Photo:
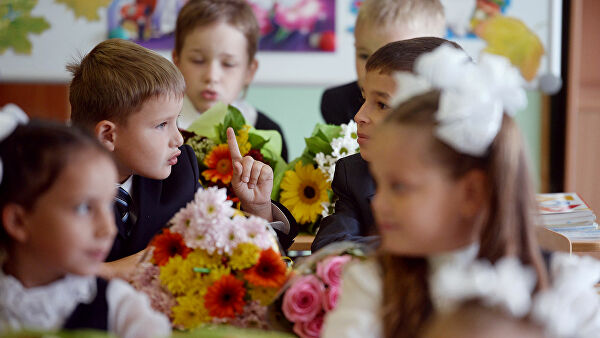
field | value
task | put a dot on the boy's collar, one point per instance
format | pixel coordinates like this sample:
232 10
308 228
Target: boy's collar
126 185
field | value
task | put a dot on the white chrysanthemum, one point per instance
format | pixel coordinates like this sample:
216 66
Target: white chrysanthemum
343 146
257 232
350 130
212 204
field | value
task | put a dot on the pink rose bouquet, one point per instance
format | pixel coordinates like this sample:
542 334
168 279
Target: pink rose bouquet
314 288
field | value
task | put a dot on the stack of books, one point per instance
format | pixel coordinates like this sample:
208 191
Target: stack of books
568 214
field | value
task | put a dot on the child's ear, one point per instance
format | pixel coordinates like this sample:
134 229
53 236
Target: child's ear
13 220
175 58
475 193
105 131
252 67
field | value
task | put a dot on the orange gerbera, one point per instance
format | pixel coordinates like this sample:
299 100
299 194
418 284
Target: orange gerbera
270 271
225 298
219 166
168 244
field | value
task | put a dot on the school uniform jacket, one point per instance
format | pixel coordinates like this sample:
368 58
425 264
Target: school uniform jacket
353 218
156 201
340 104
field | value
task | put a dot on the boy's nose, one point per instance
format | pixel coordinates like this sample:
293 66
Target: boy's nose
213 72
362 115
177 138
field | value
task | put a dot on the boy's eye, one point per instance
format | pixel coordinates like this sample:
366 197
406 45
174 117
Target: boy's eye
229 64
83 209
382 105
197 61
363 56
162 125
398 187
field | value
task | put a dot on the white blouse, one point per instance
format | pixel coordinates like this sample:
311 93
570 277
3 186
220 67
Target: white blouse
358 310
47 307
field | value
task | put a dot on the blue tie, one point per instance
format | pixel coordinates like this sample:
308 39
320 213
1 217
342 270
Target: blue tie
123 203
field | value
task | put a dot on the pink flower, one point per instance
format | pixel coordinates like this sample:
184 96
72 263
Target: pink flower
330 269
310 329
304 299
299 15
262 16
331 298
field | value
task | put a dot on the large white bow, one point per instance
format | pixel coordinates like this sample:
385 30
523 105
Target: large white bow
10 116
473 96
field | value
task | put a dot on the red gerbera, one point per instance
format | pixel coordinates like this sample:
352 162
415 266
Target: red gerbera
167 245
270 271
225 298
219 166
256 154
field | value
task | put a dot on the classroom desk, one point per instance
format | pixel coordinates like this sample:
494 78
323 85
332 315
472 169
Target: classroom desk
554 241
302 243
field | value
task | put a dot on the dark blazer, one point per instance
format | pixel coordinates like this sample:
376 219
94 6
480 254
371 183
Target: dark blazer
352 219
264 122
92 315
156 201
340 104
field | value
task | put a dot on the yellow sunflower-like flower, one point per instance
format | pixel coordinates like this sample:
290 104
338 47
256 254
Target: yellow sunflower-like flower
202 259
302 192
242 139
244 256
190 312
176 275
264 296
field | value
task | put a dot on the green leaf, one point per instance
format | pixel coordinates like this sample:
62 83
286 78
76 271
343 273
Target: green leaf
256 140
331 131
316 145
210 122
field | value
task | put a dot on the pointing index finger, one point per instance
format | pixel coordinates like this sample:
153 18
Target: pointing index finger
234 150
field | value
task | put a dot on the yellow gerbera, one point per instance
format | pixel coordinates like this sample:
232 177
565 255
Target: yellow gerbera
176 275
244 256
190 312
302 192
242 139
264 296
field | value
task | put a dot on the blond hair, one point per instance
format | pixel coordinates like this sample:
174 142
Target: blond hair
116 78
421 17
198 13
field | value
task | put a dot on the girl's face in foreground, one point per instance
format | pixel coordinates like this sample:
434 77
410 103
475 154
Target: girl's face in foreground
419 208
71 227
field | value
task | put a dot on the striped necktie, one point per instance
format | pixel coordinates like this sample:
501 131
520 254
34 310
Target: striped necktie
123 203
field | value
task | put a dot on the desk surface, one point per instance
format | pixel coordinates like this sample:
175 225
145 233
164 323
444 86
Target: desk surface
302 243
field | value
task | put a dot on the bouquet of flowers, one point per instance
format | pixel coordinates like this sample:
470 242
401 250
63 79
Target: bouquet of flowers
314 288
212 265
209 141
305 186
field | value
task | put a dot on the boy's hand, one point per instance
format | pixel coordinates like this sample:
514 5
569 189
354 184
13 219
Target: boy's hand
252 181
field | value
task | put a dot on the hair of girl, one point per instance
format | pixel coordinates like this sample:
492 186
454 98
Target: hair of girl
33 156
507 224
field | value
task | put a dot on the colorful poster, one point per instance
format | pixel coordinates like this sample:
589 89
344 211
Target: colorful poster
150 23
296 25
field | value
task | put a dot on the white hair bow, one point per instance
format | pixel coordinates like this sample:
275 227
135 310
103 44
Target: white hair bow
571 307
10 116
473 96
507 284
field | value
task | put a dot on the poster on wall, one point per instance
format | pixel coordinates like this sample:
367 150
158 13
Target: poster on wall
303 41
